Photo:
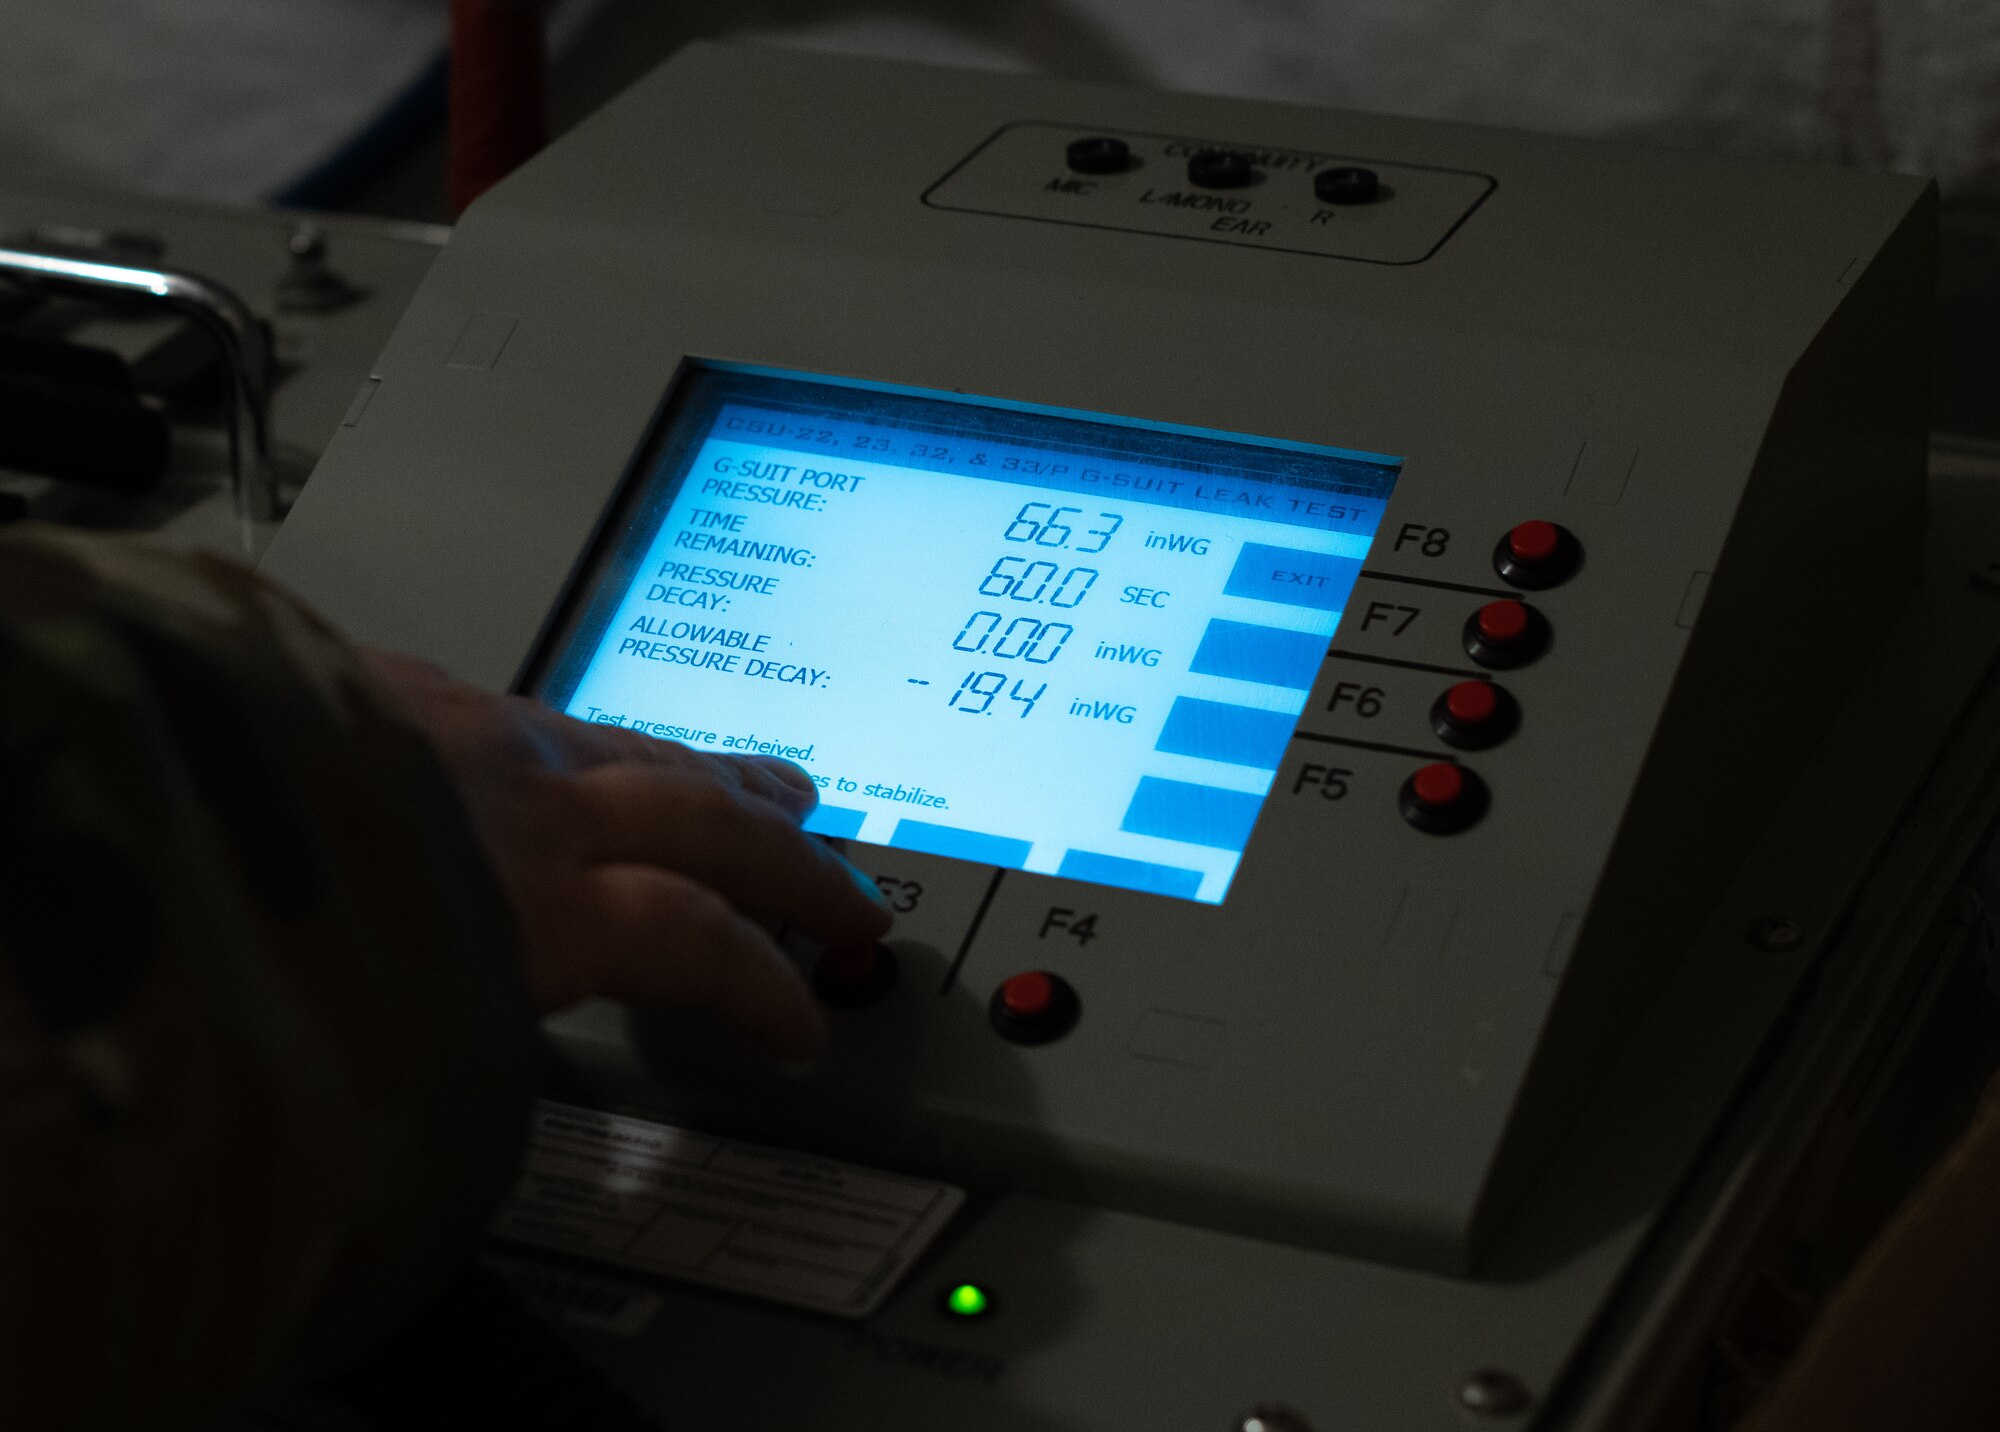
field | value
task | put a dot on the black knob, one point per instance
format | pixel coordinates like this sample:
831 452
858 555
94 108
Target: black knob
1348 184
1099 154
1221 169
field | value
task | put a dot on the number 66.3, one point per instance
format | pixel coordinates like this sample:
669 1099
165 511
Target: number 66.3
1031 525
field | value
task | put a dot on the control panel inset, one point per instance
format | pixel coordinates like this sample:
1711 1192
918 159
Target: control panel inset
1299 201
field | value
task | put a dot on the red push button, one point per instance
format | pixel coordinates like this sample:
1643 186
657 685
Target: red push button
1443 799
1034 1008
850 963
1438 786
1534 542
1471 703
1474 715
1029 995
1503 623
1537 555
853 976
1506 633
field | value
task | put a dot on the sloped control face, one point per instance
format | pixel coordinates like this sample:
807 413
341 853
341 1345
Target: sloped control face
1214 191
1167 780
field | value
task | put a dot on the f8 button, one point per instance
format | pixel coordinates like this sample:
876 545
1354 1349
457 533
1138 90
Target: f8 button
1537 555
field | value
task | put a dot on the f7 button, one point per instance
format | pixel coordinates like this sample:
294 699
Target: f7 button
1506 634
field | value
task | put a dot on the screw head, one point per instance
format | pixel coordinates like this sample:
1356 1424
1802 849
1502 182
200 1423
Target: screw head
306 243
1271 1417
1775 934
1490 1392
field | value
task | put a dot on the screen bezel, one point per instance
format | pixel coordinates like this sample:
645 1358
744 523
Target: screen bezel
680 428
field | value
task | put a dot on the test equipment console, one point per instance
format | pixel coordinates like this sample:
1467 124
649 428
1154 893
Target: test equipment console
1327 629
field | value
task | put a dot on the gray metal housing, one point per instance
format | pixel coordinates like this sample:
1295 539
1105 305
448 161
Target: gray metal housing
1711 371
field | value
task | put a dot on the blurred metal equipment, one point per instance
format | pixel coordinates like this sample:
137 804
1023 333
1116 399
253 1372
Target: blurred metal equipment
312 284
246 331
229 324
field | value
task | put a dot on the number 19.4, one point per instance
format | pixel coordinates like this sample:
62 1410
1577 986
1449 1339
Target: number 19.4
975 694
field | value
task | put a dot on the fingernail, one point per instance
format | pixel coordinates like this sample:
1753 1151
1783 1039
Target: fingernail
866 883
795 777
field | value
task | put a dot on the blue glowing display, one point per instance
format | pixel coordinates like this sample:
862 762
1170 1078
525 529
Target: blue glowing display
1050 642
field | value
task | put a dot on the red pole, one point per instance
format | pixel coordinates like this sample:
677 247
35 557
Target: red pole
499 99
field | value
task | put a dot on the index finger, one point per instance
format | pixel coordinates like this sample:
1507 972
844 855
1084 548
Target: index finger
590 745
744 848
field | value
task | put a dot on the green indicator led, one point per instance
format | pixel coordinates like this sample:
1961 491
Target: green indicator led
968 1300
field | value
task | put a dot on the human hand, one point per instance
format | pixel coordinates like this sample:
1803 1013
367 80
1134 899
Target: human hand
639 869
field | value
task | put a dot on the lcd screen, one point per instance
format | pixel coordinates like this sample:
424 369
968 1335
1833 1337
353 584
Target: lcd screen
1047 641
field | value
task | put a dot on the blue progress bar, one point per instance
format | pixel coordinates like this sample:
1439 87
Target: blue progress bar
1196 815
840 821
1130 874
1318 580
1272 655
975 845
1218 731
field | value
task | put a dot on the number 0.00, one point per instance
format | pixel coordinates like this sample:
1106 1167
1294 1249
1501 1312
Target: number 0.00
1025 638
